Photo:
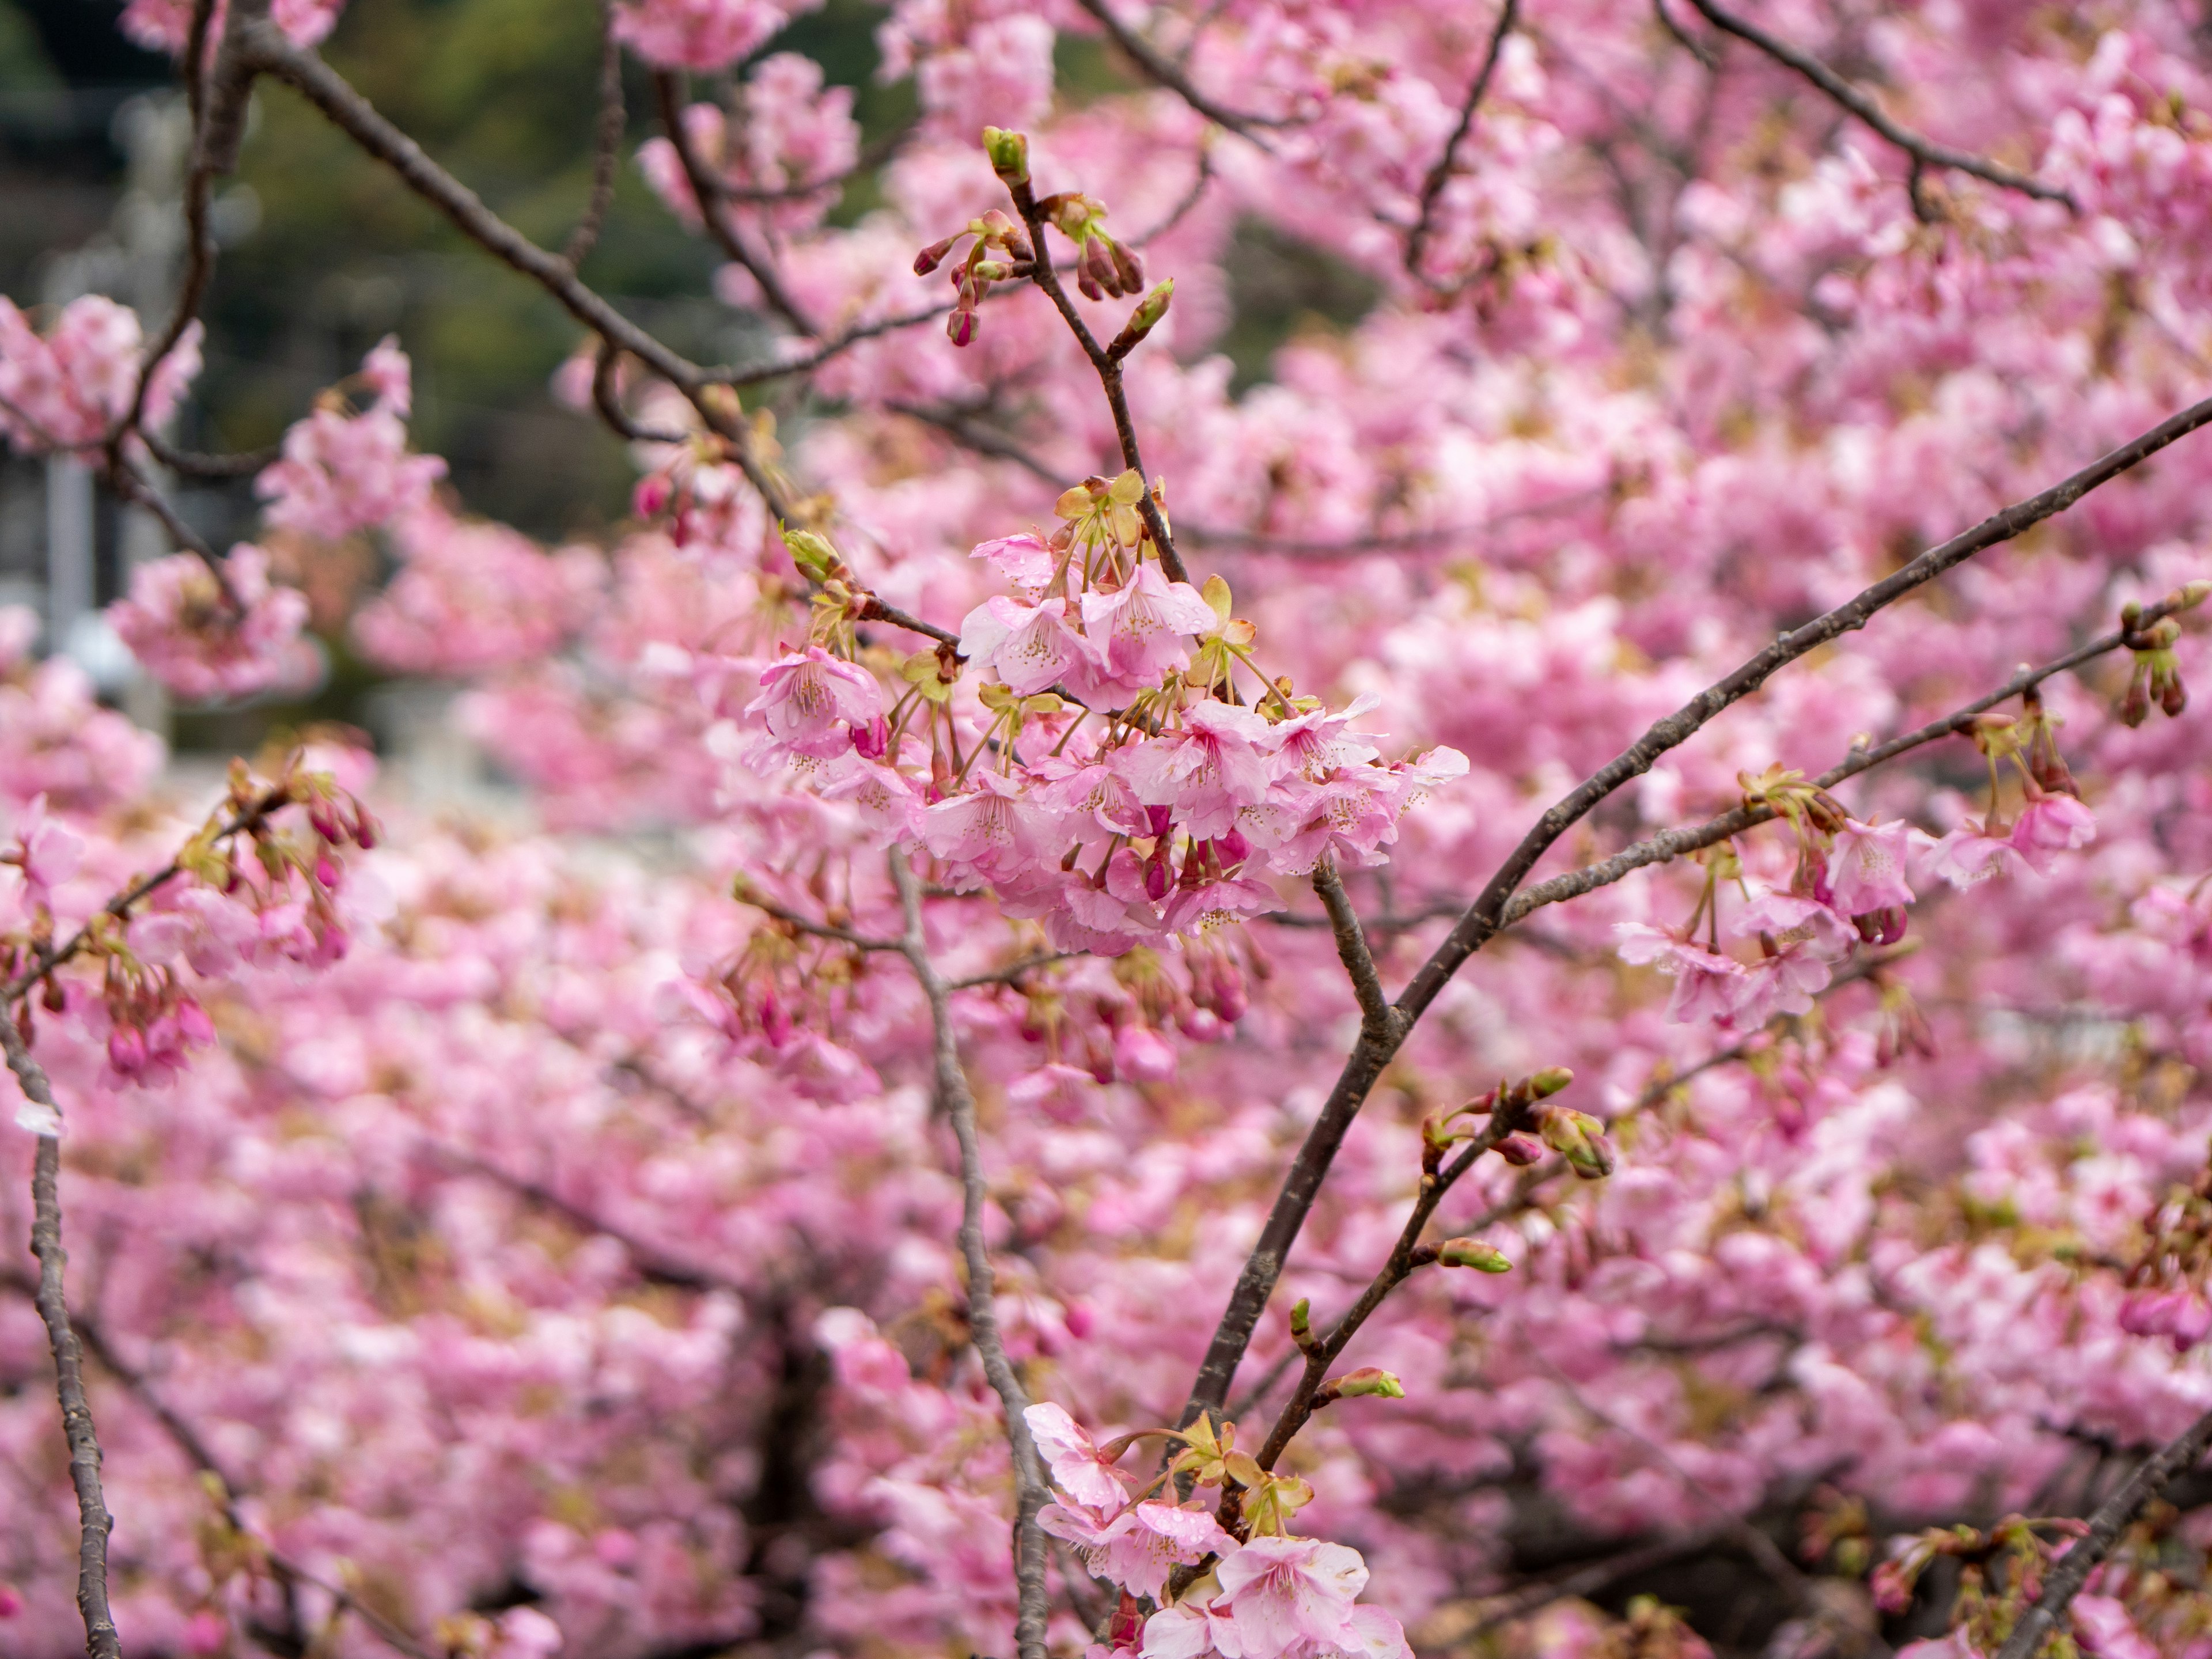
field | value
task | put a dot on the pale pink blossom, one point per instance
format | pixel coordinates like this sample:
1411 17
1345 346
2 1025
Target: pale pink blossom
1139 631
1138 1547
1970 855
195 638
1072 1457
68 388
2049 824
1794 922
1707 985
1022 560
1031 648
1286 1593
341 472
47 850
1208 771
1867 868
815 704
699 34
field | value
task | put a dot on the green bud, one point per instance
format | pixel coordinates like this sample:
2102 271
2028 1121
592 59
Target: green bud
1550 1081
1368 1381
1302 1322
2192 595
1473 1253
813 555
1010 154
1153 306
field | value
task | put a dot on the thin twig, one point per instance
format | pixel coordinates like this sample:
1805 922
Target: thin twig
1108 369
960 425
669 89
1375 1010
1432 187
606 149
94 1522
1924 151
958 1102
1140 51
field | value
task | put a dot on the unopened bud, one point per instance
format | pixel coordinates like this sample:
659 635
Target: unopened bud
2192 594
960 327
1146 317
1126 265
813 555
2173 695
1302 1322
933 256
1368 1381
1010 154
1473 1253
1520 1151
1549 1081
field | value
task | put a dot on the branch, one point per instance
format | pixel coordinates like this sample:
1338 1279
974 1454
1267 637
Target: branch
1108 369
607 147
1923 152
94 1522
1432 187
2112 1517
958 1102
1673 843
1486 917
1376 1013
1140 53
668 87
959 425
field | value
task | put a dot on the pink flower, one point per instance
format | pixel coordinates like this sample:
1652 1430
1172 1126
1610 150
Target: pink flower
1213 904
341 473
698 34
1143 1055
1314 744
1062 1093
1706 984
2049 824
813 703
47 851
1031 648
1866 869
1022 560
1783 983
1138 1548
187 633
1073 1456
2105 1630
1139 631
67 389
1285 1593
1789 921
1206 774
1969 855
991 832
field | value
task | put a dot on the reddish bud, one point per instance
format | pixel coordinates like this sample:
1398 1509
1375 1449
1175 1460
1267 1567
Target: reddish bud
933 256
1520 1151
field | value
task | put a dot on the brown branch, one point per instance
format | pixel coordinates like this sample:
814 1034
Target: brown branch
955 1100
668 87
1432 187
2113 1516
959 424
1486 917
198 464
1924 152
1184 208
730 374
354 115
1140 51
1376 1015
1108 368
1014 972
94 1522
1673 843
606 149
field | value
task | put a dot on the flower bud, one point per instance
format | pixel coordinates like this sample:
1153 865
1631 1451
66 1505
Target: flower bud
1549 1081
1010 156
933 256
1473 1253
813 555
1368 1381
1142 321
960 327
1128 267
2190 596
1520 1150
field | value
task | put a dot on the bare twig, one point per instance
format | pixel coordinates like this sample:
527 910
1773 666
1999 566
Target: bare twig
1140 51
94 1522
2114 1517
1184 208
1108 369
1374 1010
1924 151
958 1102
1484 918
961 425
669 89
606 150
1432 187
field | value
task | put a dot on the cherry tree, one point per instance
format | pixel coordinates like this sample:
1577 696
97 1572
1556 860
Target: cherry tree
1535 989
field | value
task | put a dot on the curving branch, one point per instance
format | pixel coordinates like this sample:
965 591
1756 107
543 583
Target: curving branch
606 145
1162 69
1108 368
957 1102
1432 187
1925 153
94 1522
2113 1516
1486 916
668 87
